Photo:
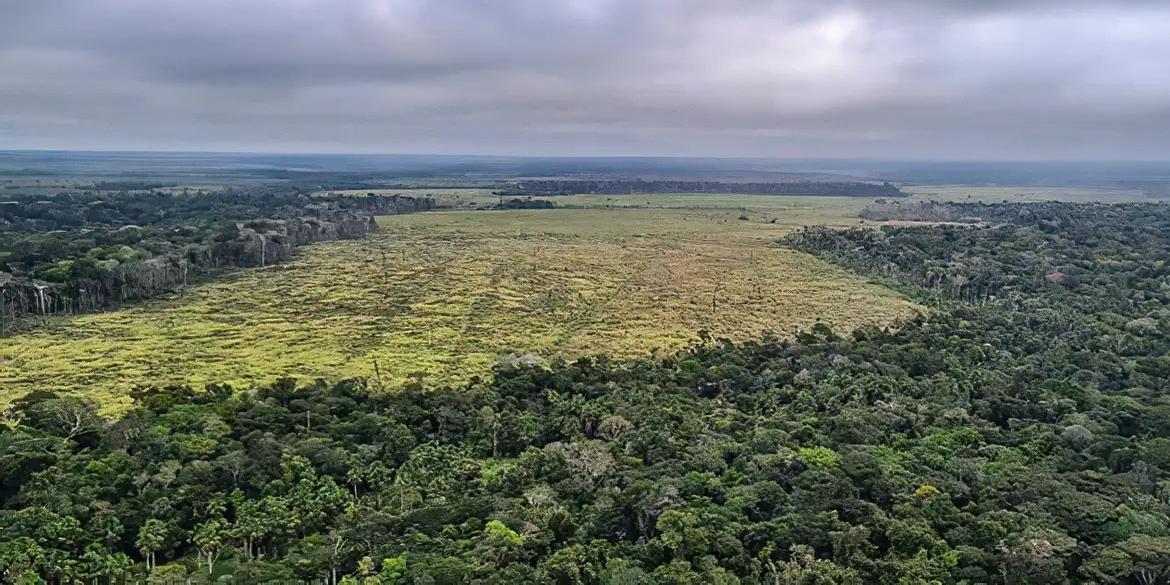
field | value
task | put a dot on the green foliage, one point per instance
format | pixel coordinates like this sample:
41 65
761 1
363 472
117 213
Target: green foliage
497 534
393 571
818 457
171 574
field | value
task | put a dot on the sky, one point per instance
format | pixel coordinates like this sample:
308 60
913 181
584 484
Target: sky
913 79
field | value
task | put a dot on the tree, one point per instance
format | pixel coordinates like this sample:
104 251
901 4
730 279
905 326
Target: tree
22 558
499 543
98 564
393 571
683 533
210 537
805 569
1144 559
1036 556
622 572
338 544
259 519
69 417
106 528
152 538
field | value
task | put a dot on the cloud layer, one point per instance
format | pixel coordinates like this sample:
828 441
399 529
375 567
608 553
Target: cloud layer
803 78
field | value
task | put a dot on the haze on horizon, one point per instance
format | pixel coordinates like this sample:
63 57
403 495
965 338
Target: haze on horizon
940 79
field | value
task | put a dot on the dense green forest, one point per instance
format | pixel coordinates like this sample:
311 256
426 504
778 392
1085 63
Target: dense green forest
524 203
1019 432
106 207
78 252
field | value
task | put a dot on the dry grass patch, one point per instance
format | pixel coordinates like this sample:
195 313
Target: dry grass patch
969 194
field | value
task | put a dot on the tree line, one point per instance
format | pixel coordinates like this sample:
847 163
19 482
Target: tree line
84 252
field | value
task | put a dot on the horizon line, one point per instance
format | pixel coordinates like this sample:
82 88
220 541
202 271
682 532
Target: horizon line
165 151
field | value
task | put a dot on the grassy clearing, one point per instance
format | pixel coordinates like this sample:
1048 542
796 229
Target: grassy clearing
792 209
442 296
962 193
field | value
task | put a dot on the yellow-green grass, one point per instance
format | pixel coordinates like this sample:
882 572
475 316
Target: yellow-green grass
963 193
443 296
788 209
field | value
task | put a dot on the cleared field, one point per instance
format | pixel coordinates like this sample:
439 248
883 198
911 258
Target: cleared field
962 193
789 209
443 296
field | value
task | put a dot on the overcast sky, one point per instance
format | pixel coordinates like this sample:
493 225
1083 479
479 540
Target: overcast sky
985 79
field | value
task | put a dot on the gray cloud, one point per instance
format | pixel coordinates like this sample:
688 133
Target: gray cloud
904 78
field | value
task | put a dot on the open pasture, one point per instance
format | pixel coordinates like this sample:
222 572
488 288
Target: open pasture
442 296
983 194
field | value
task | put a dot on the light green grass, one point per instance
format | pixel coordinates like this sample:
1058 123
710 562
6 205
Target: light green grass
793 209
962 193
443 295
